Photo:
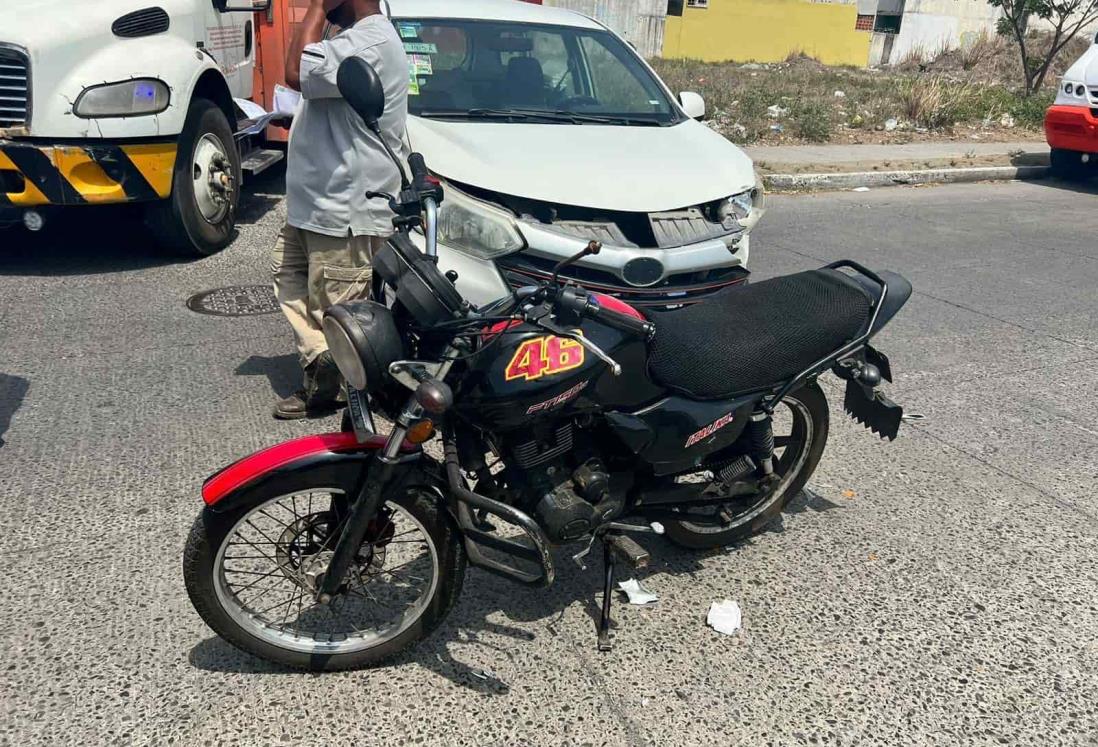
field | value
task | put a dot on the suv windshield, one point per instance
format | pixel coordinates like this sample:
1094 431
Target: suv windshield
497 71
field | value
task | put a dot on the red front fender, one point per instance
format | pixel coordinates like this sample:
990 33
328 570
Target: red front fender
249 469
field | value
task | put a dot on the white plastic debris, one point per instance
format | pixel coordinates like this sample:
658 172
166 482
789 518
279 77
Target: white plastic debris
840 94
725 617
860 189
657 527
776 111
637 594
891 124
1007 120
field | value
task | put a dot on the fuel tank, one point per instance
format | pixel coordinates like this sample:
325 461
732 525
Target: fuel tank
524 374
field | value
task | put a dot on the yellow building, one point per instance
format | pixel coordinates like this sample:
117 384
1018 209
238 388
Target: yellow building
765 31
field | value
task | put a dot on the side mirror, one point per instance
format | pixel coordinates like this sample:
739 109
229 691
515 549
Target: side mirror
693 104
242 6
361 86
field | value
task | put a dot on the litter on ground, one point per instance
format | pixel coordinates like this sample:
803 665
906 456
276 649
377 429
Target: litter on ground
637 594
725 617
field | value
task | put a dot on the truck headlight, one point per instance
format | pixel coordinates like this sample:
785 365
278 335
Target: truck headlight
1071 92
131 98
477 228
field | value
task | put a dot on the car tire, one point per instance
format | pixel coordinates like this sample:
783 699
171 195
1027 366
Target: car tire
198 220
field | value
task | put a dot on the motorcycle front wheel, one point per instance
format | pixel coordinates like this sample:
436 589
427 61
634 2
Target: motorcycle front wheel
253 574
800 435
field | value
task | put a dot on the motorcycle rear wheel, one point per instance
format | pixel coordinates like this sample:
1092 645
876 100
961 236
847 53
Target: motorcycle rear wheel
797 455
276 546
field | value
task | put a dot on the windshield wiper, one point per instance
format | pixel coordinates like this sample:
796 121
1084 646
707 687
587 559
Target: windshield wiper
558 115
473 114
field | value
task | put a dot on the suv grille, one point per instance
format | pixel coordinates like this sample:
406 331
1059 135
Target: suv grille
14 87
676 290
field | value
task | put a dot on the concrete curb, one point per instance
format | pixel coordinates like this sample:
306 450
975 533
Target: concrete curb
814 182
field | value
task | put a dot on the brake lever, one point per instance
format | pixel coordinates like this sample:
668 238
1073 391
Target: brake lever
615 367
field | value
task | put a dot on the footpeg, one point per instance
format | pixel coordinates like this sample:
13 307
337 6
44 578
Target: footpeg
628 551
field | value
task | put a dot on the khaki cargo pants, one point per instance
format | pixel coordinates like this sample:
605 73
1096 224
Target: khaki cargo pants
312 272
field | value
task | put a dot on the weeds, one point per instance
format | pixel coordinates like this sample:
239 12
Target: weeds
971 87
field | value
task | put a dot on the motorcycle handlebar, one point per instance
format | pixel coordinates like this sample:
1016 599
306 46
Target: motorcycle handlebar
419 168
623 322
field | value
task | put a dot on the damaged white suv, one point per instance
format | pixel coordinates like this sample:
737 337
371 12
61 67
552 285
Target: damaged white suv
549 131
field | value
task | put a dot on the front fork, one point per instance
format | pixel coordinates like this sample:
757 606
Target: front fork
379 474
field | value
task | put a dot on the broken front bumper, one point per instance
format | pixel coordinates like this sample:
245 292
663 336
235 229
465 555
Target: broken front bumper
33 175
1072 128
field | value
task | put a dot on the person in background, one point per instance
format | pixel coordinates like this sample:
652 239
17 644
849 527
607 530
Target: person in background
332 231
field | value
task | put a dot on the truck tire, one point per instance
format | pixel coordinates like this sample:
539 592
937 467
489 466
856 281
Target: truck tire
199 218
1068 165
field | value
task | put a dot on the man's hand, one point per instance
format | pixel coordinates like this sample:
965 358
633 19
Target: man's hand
309 31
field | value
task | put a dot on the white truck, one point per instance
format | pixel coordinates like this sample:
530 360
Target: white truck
114 101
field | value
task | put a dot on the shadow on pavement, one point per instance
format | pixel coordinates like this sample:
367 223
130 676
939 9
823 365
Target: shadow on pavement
83 241
1084 187
484 595
112 238
13 390
282 371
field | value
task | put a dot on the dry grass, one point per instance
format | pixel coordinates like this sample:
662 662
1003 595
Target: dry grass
927 96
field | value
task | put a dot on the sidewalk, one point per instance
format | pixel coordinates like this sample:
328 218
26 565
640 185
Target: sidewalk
798 167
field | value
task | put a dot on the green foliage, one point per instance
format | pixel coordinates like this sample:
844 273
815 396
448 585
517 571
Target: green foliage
811 120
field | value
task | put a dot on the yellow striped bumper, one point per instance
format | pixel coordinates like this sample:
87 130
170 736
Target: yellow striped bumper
32 175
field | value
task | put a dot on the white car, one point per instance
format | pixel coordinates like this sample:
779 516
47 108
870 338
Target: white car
549 131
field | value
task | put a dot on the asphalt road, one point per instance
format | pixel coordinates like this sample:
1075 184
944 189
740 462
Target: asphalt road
938 590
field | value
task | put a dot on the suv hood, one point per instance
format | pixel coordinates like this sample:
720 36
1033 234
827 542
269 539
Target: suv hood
629 169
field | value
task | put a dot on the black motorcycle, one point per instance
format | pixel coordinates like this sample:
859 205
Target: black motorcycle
566 418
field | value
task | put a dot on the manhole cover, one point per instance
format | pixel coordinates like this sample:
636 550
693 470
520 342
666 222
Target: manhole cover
238 300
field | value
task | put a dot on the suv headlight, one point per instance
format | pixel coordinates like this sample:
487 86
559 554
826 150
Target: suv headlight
477 228
743 210
131 98
1071 92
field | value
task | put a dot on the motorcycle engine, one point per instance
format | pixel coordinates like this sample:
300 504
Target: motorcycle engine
568 501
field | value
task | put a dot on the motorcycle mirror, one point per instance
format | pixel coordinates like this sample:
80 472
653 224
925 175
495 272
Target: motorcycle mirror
361 86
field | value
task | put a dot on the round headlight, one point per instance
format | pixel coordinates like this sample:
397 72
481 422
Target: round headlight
1067 88
344 353
1080 90
363 341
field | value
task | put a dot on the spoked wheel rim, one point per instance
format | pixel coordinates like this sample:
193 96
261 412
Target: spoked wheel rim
271 563
793 435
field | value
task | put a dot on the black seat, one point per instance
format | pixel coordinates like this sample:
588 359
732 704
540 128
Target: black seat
749 338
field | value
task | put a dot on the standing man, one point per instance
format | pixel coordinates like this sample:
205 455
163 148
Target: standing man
332 231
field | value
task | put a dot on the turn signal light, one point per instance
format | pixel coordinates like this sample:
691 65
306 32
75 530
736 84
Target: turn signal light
420 432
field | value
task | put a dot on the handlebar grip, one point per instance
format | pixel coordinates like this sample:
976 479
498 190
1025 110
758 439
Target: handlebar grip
630 325
419 167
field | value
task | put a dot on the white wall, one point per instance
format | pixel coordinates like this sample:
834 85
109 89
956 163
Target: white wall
639 21
931 25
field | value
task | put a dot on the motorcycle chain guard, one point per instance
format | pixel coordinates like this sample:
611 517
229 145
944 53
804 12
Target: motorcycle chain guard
873 410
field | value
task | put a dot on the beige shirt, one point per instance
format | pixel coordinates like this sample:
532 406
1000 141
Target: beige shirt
333 158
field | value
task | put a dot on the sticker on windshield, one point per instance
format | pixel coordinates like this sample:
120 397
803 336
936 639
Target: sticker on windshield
420 64
409 31
413 87
420 48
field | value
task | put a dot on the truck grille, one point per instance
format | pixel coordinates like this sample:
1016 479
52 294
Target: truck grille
14 87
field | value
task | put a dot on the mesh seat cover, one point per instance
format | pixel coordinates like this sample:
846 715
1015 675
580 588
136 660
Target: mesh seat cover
748 338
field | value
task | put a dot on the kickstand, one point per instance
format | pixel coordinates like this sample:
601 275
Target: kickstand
607 598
